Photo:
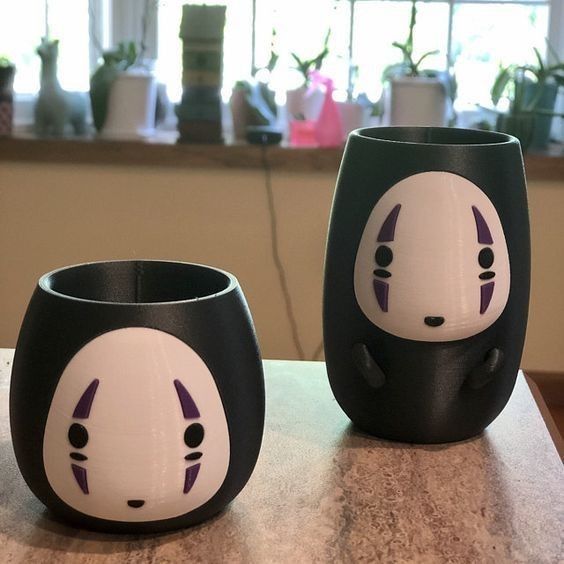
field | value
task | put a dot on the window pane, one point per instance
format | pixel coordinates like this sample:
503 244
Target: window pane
379 23
236 48
68 22
485 36
21 33
301 27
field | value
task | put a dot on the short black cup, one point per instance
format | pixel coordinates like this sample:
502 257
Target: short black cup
426 286
137 394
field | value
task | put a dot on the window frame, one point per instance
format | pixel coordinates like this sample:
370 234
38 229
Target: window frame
115 21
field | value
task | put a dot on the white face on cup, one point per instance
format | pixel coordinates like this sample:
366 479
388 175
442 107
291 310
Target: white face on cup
432 264
136 430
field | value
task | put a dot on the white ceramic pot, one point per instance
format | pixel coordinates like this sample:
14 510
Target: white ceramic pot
131 106
353 116
304 102
417 101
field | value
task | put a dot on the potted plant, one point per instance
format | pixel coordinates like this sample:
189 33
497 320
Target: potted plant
252 101
7 72
531 90
114 62
417 96
303 103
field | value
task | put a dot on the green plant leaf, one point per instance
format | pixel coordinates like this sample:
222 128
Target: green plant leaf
423 57
539 60
500 84
272 61
559 78
318 61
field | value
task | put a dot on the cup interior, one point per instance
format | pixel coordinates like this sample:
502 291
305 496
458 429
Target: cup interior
137 282
435 135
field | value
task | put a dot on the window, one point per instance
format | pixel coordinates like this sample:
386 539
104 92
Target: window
23 25
475 35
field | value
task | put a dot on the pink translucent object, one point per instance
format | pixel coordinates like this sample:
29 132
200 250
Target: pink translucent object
328 128
302 133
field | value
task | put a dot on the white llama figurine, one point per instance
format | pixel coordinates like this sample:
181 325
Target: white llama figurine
55 107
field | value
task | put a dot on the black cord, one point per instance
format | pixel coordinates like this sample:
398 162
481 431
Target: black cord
276 253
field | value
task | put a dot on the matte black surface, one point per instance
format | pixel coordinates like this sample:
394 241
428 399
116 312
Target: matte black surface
56 326
263 135
414 391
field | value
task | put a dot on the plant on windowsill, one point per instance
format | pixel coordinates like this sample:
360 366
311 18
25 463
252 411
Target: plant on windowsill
303 103
114 62
127 58
417 96
531 90
252 101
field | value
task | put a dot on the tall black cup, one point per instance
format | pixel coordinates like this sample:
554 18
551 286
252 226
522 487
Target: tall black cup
426 280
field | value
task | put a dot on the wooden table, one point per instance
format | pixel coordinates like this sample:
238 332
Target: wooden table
322 492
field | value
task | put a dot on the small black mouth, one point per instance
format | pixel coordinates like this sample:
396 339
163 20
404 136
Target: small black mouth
136 502
434 321
193 456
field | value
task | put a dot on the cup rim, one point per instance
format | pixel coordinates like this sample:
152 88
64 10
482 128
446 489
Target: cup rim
45 280
386 134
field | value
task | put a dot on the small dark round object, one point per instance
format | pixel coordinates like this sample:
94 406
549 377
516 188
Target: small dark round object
434 321
136 502
78 435
487 275
194 435
382 273
486 257
384 256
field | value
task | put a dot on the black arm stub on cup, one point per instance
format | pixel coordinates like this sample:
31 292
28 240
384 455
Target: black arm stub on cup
367 366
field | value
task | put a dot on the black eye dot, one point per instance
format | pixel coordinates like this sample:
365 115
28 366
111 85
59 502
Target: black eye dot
194 435
486 257
78 435
384 255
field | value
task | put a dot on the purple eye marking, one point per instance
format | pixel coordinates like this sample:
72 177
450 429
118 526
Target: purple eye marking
189 409
191 475
82 409
381 291
486 293
388 229
483 231
80 477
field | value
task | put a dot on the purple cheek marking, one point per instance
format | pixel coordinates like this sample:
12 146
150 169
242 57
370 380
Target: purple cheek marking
388 229
191 475
189 408
80 477
82 409
486 293
381 291
483 231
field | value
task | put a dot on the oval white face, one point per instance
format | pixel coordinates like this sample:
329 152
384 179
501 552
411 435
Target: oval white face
432 264
136 430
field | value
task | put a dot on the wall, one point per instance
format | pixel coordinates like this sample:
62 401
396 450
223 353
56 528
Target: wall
54 215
